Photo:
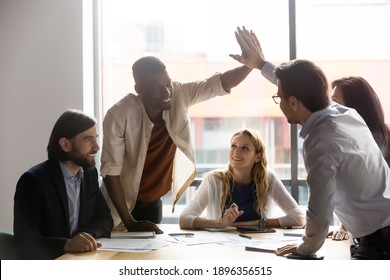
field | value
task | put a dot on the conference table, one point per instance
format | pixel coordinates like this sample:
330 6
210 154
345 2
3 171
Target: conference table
331 250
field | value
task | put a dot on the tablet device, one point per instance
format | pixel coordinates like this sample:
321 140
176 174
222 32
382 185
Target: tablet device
220 229
254 229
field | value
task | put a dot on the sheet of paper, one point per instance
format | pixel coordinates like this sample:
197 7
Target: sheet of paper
123 244
270 245
206 237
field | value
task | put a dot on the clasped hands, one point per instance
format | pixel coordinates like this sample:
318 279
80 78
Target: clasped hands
82 242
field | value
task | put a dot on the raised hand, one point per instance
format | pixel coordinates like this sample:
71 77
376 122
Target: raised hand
230 215
251 53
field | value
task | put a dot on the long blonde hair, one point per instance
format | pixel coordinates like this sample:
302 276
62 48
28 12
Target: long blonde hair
259 175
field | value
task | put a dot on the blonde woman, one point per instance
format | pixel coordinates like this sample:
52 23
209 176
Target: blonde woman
241 195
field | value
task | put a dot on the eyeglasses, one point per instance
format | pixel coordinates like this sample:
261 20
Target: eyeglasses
276 98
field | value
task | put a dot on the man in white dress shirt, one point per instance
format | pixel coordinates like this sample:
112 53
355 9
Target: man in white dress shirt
346 172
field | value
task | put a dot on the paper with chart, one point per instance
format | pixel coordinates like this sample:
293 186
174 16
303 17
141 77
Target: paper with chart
132 244
269 245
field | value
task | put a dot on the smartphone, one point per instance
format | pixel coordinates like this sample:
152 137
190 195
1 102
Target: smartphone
300 257
254 230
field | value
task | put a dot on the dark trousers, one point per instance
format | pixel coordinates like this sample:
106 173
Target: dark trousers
375 246
148 210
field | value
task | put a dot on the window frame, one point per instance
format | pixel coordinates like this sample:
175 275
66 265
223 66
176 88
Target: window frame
293 182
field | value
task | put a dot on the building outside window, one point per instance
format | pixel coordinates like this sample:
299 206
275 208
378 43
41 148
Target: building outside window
194 40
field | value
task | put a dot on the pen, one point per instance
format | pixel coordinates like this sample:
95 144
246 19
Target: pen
245 236
293 234
186 234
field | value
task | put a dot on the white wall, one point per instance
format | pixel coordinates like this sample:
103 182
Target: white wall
41 75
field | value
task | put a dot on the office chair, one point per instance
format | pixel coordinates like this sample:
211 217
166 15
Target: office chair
7 246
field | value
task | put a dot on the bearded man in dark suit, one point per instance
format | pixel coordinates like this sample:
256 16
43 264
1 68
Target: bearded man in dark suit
58 206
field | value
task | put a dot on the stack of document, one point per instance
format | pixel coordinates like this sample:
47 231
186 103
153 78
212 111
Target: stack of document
141 241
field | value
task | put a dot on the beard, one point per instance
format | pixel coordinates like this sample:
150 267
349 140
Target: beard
80 159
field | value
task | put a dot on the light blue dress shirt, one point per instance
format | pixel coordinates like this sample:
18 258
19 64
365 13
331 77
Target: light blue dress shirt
346 173
73 185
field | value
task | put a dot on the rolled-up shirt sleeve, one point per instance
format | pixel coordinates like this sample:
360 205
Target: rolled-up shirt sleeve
199 91
114 147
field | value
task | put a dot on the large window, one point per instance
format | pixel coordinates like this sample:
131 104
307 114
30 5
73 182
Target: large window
194 40
347 38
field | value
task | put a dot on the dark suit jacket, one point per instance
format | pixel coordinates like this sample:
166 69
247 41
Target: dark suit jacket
41 214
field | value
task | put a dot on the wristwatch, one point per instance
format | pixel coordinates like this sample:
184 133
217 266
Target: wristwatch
262 224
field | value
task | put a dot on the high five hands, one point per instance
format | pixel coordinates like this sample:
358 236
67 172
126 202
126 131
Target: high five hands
251 53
